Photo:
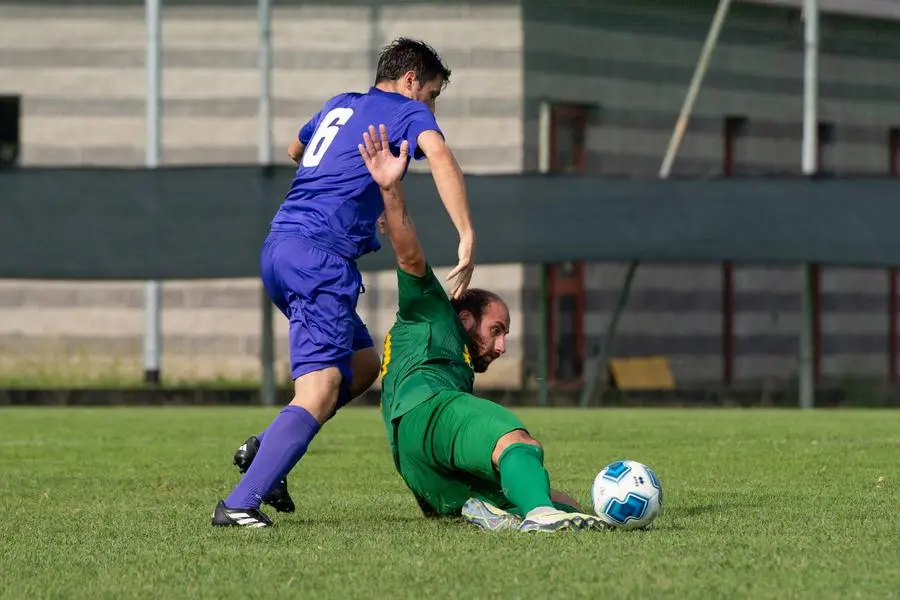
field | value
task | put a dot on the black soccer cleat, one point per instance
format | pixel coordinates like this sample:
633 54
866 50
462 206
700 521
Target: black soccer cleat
245 454
278 497
239 517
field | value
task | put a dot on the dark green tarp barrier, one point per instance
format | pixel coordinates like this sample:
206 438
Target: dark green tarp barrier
177 223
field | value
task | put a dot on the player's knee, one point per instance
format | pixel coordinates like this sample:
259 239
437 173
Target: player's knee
518 436
318 392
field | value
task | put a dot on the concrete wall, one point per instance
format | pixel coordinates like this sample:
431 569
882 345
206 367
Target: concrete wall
634 67
80 70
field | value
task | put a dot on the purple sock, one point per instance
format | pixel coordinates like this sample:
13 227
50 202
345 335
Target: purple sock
263 433
287 439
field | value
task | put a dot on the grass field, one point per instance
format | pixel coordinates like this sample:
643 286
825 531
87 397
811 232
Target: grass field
115 503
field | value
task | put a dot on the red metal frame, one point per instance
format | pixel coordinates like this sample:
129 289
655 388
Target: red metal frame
894 152
578 115
893 307
825 137
559 285
731 131
816 272
727 322
893 300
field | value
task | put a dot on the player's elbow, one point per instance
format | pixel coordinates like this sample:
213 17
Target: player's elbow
412 262
295 151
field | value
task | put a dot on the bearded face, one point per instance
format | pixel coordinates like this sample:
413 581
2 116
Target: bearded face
487 334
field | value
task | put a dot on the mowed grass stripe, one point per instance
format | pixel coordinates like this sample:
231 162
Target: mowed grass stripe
115 503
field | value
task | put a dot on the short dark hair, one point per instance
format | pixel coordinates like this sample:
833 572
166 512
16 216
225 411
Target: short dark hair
475 300
405 54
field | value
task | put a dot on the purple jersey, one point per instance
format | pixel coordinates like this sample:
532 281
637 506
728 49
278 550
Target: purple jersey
333 200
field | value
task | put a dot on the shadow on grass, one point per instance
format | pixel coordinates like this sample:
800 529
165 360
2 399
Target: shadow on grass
366 518
678 518
677 513
694 511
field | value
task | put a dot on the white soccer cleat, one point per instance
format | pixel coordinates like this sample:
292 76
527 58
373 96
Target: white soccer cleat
489 517
550 519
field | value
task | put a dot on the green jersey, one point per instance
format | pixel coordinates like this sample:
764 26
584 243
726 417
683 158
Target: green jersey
425 352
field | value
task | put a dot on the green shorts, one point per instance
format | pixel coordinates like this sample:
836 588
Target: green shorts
443 448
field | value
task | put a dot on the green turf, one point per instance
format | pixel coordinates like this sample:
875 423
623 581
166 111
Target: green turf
115 503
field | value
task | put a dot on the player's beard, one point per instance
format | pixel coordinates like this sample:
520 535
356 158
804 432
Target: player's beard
479 362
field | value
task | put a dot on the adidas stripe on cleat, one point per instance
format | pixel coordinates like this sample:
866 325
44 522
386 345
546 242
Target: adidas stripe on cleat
239 517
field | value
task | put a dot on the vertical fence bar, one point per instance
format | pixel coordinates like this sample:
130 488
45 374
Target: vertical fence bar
264 154
806 373
152 346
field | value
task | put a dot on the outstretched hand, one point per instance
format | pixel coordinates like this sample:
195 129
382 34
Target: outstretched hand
464 269
386 169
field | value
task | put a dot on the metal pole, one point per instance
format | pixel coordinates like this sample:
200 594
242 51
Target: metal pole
153 289
712 38
264 14
544 334
597 369
267 331
806 374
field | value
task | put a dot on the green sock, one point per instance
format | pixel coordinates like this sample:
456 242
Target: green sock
524 480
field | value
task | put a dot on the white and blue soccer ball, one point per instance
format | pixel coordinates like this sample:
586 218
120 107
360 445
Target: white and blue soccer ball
627 495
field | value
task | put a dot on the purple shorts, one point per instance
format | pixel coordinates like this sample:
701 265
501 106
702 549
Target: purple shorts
317 291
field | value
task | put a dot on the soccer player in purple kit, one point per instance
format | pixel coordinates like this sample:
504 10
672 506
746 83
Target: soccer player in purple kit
308 261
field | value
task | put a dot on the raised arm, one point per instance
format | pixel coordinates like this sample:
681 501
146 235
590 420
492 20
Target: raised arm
387 170
448 178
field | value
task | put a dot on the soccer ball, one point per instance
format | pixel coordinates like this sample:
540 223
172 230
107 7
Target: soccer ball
627 495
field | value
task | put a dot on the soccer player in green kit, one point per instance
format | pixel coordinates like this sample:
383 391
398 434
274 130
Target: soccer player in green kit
457 453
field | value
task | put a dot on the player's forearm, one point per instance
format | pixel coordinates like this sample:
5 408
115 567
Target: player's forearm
448 178
402 232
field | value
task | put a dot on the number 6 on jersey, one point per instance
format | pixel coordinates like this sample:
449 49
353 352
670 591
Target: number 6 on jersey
324 135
